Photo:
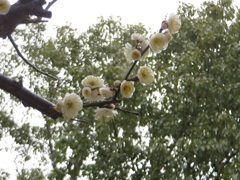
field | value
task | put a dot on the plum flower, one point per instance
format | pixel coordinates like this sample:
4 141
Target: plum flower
86 92
70 105
91 88
137 37
117 83
108 113
92 94
168 36
158 42
4 6
58 106
142 43
131 53
135 54
93 82
174 23
145 75
106 92
127 89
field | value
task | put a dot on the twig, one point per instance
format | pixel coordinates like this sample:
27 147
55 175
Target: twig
127 111
26 61
82 121
129 71
216 167
52 152
101 103
50 4
33 21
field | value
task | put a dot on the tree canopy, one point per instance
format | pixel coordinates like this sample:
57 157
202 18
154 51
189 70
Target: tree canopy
188 119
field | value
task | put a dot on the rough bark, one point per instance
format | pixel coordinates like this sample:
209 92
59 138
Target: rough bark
28 98
20 13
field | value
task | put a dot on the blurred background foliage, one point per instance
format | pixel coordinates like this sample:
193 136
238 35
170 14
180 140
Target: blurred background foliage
188 125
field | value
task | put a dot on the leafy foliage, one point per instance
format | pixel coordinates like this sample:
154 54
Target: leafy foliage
188 125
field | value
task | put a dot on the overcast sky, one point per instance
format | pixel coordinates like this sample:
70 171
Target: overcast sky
83 14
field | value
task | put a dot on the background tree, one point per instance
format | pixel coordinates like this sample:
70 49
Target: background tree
188 123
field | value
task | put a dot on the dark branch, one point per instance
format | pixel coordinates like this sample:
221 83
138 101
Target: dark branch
28 98
26 61
82 121
50 4
127 111
20 13
100 103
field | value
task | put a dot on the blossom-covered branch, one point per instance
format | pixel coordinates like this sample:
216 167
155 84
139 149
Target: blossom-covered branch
96 90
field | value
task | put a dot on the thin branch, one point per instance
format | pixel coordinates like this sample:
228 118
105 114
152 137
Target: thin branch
127 111
33 21
50 4
82 121
135 62
53 159
26 61
129 71
47 8
101 103
219 170
227 161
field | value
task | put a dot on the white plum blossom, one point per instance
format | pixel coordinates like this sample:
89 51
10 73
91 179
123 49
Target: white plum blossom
117 83
86 92
106 92
158 42
142 43
137 37
135 55
127 51
96 96
132 53
145 75
93 82
174 23
102 113
58 106
92 94
4 6
91 88
70 105
168 36
127 89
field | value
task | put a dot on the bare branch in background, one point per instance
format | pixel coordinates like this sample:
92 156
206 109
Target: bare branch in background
127 111
30 99
26 61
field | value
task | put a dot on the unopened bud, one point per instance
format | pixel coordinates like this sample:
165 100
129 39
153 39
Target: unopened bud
111 106
117 83
164 24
